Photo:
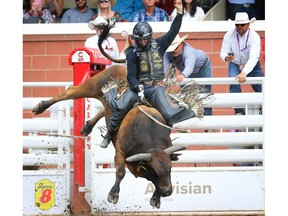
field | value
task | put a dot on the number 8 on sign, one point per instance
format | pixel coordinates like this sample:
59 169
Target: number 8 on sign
44 194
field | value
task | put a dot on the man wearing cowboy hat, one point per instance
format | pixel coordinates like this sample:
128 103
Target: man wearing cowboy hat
190 62
241 49
109 44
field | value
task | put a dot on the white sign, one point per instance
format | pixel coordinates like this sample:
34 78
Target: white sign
193 191
53 191
80 56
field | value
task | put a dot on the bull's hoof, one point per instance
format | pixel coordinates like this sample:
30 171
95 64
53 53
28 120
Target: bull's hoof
40 107
113 198
86 129
155 202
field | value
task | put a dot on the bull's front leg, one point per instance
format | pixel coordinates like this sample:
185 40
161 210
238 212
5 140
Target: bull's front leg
88 127
44 105
155 199
113 196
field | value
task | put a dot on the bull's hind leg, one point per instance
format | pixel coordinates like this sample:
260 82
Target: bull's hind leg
113 195
88 127
42 106
155 199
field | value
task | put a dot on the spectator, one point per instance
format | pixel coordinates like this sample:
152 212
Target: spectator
145 74
190 62
79 14
191 11
260 9
55 7
206 5
166 5
234 6
34 13
128 9
129 42
109 45
104 9
241 49
151 13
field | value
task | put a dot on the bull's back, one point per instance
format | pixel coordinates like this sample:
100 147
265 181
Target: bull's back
138 133
96 82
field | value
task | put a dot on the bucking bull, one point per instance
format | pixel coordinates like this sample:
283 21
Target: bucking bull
141 144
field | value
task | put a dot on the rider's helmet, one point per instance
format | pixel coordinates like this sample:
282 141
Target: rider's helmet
142 31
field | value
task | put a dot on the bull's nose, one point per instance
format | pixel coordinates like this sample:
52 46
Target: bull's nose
166 193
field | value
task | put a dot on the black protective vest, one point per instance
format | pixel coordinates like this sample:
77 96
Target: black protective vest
150 65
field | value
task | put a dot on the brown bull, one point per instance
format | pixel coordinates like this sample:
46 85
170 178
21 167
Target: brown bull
146 148
140 143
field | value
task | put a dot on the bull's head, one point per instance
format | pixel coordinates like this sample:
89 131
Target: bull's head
156 167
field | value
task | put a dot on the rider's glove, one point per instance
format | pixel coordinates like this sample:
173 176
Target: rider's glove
140 89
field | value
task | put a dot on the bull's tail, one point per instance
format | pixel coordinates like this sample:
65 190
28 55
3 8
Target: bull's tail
105 34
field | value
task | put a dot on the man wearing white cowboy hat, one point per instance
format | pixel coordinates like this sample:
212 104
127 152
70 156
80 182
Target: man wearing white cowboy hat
190 62
241 49
109 44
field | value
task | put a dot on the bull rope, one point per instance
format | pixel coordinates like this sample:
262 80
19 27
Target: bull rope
160 123
57 135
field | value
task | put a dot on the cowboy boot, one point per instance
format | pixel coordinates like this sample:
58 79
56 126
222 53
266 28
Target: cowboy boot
107 137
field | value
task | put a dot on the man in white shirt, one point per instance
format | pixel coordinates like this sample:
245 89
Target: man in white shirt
109 45
241 49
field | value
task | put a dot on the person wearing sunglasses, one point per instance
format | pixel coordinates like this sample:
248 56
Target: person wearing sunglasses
104 9
79 14
241 50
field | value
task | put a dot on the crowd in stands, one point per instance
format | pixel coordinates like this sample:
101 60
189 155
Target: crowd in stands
52 11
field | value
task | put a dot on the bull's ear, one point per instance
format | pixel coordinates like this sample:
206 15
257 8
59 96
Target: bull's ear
174 157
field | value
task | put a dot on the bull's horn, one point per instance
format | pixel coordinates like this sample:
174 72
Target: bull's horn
174 148
139 157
